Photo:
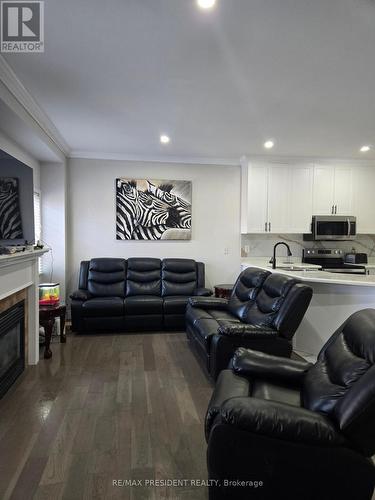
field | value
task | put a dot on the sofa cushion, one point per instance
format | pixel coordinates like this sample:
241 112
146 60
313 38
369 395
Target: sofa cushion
106 277
263 389
223 317
103 306
143 304
143 277
246 290
175 304
179 277
194 313
269 300
204 329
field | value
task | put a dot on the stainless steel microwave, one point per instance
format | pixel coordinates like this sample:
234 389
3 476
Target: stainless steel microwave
334 227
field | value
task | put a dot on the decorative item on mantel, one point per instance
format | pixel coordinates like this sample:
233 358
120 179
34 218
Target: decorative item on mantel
49 294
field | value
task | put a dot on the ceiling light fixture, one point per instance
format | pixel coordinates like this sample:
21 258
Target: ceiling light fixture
269 144
365 149
164 139
206 4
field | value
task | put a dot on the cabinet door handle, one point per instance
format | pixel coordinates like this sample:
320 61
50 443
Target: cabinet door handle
269 227
332 209
265 226
335 209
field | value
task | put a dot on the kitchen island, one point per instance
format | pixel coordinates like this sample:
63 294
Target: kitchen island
335 297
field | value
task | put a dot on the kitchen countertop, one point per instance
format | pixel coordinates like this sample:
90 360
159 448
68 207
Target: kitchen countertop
312 274
370 264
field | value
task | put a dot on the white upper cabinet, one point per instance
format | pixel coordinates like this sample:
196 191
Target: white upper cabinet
281 198
254 199
276 198
364 199
343 195
300 198
324 179
333 190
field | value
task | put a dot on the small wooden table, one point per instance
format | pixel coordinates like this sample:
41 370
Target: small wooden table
47 315
223 291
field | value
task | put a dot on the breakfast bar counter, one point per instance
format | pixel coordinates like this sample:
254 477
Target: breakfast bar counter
335 297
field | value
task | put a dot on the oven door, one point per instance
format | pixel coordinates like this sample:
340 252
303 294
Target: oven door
334 228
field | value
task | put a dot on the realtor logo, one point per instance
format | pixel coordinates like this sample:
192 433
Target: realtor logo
22 26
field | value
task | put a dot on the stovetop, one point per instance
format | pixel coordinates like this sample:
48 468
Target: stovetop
331 260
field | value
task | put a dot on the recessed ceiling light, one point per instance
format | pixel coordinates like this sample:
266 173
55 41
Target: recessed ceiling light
164 139
365 149
206 4
269 144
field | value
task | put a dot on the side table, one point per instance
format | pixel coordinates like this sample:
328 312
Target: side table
47 315
223 291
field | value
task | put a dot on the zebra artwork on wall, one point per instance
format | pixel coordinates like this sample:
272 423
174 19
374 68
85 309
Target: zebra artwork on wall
10 212
153 210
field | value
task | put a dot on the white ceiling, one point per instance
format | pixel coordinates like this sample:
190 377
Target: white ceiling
117 74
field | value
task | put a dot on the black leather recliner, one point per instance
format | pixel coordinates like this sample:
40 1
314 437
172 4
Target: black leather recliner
137 294
305 431
263 313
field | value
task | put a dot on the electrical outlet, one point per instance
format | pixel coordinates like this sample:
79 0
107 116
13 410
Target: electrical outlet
247 249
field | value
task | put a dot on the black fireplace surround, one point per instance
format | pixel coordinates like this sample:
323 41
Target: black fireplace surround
12 345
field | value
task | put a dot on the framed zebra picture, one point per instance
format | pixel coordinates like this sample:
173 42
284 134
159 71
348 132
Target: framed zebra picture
153 209
10 211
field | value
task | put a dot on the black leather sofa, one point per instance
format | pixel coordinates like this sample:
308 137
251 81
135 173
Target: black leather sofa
306 431
137 294
263 313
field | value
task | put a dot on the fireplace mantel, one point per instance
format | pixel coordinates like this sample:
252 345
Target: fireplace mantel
19 271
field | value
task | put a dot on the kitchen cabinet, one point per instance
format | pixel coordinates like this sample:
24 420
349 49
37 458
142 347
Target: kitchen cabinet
254 199
364 199
276 198
300 198
333 190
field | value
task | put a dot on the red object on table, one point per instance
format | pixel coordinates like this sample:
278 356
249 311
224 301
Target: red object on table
223 291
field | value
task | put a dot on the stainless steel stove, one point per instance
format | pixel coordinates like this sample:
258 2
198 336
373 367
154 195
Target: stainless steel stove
331 260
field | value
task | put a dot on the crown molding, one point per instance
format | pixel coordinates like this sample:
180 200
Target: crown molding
32 108
306 159
96 155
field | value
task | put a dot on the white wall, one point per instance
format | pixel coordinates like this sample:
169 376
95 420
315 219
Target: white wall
13 149
53 189
215 222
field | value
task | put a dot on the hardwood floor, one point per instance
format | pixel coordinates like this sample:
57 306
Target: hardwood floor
104 408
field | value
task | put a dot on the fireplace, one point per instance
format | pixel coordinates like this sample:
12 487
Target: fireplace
12 345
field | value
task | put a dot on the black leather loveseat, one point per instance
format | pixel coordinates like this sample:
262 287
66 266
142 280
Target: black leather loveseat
137 294
263 313
305 431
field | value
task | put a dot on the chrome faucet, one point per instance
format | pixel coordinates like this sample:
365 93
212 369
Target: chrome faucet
273 260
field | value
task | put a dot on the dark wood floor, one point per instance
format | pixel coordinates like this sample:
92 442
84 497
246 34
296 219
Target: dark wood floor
106 408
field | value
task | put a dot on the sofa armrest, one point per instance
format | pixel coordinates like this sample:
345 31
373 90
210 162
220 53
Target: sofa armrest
203 292
280 421
245 330
208 303
80 295
249 363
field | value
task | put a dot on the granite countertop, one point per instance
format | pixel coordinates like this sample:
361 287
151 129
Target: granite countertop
370 264
309 273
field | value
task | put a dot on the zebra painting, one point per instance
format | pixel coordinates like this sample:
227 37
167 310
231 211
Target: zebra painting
153 210
10 213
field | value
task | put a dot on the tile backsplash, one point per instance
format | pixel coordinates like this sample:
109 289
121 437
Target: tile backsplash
261 245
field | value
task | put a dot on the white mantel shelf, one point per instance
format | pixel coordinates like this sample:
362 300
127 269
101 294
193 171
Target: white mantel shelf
19 271
11 259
